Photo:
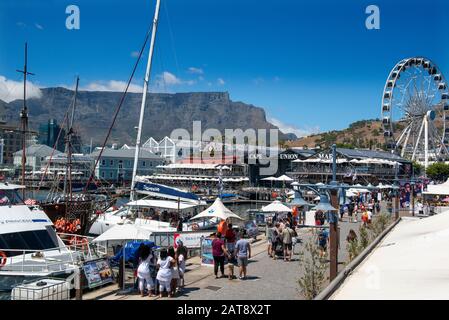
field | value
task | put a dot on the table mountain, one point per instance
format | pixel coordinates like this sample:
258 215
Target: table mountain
164 113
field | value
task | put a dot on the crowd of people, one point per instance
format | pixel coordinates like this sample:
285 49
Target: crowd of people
281 238
163 275
227 250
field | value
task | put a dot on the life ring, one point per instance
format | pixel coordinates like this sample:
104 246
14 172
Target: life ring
195 226
3 259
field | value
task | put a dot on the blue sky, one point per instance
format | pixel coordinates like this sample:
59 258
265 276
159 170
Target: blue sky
312 65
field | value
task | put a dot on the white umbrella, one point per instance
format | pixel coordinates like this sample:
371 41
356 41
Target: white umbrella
284 178
269 179
124 232
217 210
276 206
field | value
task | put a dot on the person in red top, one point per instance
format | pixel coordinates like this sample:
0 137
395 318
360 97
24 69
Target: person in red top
218 252
230 238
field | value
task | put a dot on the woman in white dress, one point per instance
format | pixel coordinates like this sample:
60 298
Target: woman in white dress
144 273
174 271
164 275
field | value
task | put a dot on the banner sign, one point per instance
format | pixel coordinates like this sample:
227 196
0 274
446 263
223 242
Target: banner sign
166 192
192 239
207 258
97 272
251 228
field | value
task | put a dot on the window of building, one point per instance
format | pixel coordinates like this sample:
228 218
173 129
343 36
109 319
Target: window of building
111 162
103 162
102 174
144 163
110 174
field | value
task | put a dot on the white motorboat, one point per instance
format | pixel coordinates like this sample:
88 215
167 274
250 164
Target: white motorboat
30 248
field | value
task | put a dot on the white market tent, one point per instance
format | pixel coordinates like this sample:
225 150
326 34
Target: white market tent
217 210
124 232
163 204
438 189
284 178
408 264
276 206
269 179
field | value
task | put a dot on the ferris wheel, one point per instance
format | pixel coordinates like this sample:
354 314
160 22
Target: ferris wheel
415 111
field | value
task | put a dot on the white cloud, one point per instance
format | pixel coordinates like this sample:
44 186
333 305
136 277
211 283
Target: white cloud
170 79
112 85
39 26
221 82
166 80
288 128
196 70
12 90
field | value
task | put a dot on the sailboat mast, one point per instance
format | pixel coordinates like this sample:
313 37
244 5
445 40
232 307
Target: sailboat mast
68 148
24 115
144 98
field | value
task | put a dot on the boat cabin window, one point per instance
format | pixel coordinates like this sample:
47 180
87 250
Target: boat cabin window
10 197
27 240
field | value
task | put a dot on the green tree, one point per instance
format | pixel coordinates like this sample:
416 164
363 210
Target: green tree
438 171
417 168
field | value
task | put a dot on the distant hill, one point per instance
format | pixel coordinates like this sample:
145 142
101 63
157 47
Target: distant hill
164 113
360 134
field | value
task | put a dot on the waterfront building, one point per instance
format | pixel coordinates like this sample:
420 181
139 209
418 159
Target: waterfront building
12 142
204 175
116 165
35 155
353 165
82 165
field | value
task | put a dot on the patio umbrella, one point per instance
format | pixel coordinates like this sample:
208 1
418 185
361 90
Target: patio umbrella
276 206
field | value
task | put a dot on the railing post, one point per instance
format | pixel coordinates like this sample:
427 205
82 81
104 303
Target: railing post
78 288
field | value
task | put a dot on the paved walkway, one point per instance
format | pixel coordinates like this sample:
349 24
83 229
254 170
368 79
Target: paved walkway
267 278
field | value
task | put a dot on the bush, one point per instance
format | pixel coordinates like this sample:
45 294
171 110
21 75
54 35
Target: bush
314 270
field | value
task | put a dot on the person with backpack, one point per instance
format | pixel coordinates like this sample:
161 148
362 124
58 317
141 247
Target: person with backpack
275 239
287 240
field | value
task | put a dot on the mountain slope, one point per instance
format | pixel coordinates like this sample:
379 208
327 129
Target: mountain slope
164 113
360 134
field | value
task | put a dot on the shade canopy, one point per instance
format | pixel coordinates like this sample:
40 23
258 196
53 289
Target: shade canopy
269 179
276 206
217 210
438 189
284 178
124 232
163 204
